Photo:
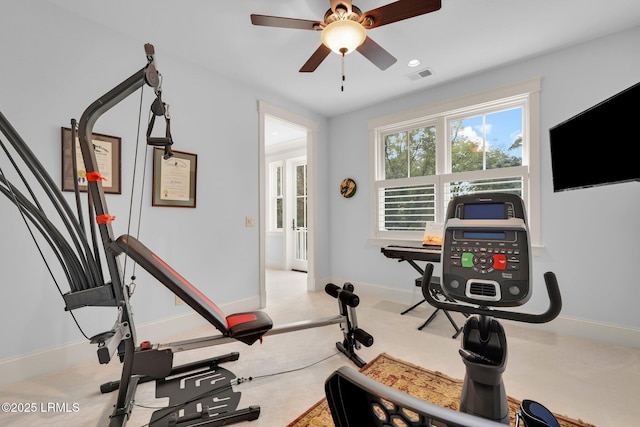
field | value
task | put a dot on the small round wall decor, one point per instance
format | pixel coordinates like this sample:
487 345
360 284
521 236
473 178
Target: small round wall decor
348 188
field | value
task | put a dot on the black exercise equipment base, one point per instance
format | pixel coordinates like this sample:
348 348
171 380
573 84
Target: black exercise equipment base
351 354
247 414
191 419
203 392
206 364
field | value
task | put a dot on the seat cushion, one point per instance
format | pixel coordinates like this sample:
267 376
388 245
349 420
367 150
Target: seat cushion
248 327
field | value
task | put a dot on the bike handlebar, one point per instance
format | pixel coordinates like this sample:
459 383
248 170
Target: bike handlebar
553 291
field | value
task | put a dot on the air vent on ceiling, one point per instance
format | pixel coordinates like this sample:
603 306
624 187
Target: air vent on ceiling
420 74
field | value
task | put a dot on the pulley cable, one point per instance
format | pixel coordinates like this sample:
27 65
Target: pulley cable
133 186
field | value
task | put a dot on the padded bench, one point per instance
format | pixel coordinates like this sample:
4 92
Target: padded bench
246 327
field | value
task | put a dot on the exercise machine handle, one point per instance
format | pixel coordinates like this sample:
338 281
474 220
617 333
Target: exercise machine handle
555 302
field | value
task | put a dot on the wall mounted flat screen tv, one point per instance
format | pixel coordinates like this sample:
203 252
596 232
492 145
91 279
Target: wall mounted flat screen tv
599 145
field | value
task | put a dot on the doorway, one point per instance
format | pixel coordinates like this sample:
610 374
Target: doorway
287 186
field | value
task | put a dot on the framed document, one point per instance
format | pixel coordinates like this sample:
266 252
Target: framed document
107 150
174 179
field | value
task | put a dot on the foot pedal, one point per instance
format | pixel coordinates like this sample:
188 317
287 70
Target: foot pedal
536 415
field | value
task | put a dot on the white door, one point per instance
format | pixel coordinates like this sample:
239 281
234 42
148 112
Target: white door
298 214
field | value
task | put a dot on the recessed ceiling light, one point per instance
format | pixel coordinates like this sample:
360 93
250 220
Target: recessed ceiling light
414 63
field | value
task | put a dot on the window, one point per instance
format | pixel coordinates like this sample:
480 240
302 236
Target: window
301 196
276 202
408 153
301 212
425 157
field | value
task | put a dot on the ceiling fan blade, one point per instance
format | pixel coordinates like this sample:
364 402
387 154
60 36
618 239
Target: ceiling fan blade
315 59
376 54
280 22
397 11
336 3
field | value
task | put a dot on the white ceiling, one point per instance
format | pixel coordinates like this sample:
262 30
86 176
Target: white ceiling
462 38
278 131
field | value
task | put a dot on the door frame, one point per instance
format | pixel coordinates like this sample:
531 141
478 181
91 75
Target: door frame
265 109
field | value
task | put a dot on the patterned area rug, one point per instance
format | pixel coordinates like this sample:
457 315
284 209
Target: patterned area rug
416 381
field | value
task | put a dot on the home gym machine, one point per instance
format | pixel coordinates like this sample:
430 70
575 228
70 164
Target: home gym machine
486 263
80 261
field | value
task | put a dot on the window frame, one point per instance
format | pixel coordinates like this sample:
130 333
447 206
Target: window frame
525 94
273 196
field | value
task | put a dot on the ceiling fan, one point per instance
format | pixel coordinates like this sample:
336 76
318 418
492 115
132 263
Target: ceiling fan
344 28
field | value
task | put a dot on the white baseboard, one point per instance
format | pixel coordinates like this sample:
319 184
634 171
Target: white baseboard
20 368
563 325
595 331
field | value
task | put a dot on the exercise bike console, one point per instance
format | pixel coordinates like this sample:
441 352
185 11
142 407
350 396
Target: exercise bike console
487 257
479 230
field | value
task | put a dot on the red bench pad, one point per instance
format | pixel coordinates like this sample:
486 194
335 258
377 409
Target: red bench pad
248 327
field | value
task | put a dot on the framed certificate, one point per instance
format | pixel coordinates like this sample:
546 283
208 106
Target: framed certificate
107 151
174 179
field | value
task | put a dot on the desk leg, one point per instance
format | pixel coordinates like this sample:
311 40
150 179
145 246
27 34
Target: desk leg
455 326
453 323
417 268
433 316
413 306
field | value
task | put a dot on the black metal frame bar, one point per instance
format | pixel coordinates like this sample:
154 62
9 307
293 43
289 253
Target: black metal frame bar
123 341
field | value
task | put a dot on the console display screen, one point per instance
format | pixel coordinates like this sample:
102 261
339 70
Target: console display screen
484 211
484 235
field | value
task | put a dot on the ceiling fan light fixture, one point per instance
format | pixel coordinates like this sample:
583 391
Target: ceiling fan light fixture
343 36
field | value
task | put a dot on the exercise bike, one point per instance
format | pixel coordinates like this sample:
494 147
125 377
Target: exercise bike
486 260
